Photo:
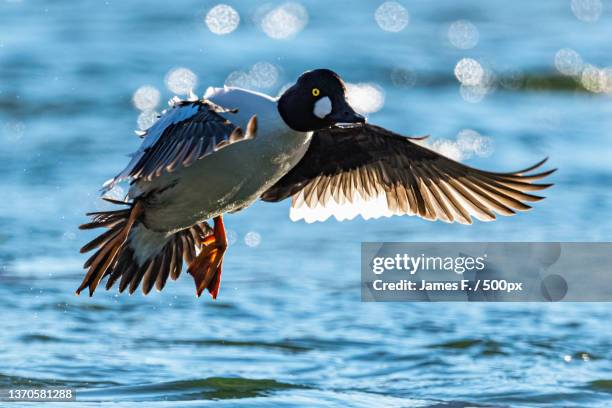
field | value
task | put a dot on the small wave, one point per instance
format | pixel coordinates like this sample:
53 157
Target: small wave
282 345
485 347
39 338
7 381
207 388
601 385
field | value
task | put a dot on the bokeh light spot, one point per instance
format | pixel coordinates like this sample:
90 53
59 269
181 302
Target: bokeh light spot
284 21
392 16
262 75
473 143
588 11
593 79
468 143
463 34
568 62
181 80
472 93
469 71
146 98
365 97
252 239
222 19
146 119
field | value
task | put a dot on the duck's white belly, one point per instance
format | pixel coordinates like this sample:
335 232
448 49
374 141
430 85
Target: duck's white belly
227 180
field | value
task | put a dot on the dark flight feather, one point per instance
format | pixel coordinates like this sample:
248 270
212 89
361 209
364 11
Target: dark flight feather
345 163
184 140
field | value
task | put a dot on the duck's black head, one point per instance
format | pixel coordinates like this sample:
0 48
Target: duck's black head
317 101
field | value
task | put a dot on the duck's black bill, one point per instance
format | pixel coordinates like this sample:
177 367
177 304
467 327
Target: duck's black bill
346 115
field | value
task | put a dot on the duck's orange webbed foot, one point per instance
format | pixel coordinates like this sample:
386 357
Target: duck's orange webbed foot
206 267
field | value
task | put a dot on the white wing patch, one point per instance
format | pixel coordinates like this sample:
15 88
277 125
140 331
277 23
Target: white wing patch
372 208
368 208
322 107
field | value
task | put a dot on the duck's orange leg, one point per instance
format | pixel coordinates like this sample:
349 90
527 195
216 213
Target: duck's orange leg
206 268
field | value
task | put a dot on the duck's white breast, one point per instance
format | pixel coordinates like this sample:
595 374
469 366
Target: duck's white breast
233 177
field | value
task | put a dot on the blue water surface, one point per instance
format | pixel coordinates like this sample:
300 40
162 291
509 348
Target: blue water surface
288 328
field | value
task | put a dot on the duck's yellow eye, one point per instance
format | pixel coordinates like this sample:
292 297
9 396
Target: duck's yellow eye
316 92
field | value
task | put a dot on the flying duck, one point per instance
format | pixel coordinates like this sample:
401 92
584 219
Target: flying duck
219 154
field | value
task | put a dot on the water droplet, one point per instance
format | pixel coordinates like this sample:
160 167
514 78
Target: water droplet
146 98
181 80
587 10
252 239
392 16
469 72
284 21
463 34
365 97
568 62
222 19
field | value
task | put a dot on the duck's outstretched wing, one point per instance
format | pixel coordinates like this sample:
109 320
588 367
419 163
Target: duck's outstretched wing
186 132
372 172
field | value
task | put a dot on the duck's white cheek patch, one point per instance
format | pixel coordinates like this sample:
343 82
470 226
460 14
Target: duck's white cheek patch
322 107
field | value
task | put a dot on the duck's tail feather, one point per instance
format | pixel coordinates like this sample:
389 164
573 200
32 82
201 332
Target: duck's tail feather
131 253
